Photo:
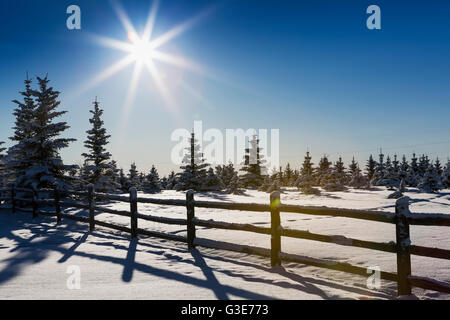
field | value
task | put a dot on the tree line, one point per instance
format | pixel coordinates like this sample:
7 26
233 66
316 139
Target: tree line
34 161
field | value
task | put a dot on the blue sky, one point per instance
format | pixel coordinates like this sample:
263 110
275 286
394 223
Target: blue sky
309 68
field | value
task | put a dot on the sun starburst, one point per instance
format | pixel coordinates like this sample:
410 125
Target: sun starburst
143 50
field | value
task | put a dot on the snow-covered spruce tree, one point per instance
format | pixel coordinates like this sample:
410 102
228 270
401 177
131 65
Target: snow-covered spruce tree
235 185
113 173
358 180
163 182
424 164
353 166
171 181
390 178
288 176
336 178
17 160
253 166
133 179
413 175
403 169
370 168
431 181
212 182
194 171
123 181
438 166
379 171
45 167
98 158
266 184
446 176
306 180
323 169
226 173
396 164
151 182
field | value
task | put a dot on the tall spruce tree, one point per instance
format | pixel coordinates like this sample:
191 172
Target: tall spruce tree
353 166
152 183
44 166
17 159
97 157
253 166
370 168
194 169
288 176
306 181
323 169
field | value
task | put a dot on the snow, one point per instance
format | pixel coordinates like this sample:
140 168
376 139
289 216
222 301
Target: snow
35 254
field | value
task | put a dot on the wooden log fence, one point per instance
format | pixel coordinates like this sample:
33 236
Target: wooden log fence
402 218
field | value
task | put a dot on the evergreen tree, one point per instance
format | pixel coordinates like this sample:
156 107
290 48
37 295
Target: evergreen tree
446 176
44 166
322 170
340 171
133 179
123 181
113 173
403 169
171 181
288 176
431 181
370 168
424 164
226 173
358 181
379 171
17 159
212 182
413 174
353 167
267 183
336 178
194 171
395 164
151 182
390 177
164 182
235 186
97 158
438 166
253 166
306 181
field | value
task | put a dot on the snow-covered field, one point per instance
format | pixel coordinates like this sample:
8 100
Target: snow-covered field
35 254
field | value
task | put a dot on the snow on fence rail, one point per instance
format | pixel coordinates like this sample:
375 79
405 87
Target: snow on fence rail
402 218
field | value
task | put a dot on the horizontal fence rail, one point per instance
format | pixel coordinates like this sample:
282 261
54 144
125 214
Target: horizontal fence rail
402 218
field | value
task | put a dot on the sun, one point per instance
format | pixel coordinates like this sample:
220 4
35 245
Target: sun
144 50
140 49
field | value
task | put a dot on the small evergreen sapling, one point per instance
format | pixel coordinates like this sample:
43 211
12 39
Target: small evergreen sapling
151 182
431 181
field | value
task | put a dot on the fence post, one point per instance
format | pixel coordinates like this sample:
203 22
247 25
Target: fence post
190 219
90 188
34 203
13 199
403 246
275 239
133 212
57 197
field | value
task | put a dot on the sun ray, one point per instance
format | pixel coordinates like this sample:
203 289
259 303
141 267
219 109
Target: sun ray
123 17
115 44
167 97
181 28
108 72
147 34
177 61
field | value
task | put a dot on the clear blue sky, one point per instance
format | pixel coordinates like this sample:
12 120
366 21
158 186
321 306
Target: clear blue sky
309 68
